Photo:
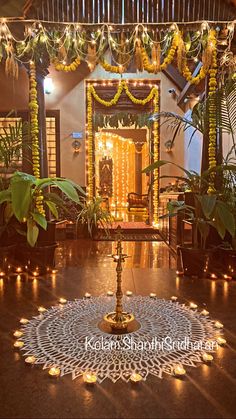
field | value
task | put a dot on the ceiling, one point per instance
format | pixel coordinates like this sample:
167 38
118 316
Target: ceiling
16 8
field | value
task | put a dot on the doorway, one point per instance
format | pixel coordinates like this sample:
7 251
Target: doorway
122 140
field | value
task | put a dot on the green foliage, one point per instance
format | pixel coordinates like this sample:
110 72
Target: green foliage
207 210
93 215
22 194
12 141
123 119
225 100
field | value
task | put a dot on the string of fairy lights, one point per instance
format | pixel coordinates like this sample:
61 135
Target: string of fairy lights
122 152
65 42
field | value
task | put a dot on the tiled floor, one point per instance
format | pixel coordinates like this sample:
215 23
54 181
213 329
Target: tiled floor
206 391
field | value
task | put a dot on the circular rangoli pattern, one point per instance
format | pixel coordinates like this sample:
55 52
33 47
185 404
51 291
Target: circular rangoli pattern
68 336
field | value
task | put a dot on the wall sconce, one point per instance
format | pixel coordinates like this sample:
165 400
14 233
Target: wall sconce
169 146
48 85
76 146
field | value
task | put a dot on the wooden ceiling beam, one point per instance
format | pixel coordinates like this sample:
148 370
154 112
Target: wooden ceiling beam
188 88
174 76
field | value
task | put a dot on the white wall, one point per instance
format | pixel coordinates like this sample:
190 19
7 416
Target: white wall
72 109
69 97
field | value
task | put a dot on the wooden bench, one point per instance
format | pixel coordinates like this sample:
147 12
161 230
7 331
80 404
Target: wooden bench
136 200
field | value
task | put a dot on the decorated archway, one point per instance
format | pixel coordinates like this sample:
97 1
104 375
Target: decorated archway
124 88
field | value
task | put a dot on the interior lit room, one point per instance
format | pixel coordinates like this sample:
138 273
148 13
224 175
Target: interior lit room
117 209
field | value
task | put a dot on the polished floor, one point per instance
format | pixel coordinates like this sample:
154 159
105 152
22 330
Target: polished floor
83 266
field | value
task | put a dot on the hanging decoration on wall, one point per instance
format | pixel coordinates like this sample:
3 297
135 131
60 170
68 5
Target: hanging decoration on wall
122 87
110 146
124 119
212 86
34 132
106 176
68 45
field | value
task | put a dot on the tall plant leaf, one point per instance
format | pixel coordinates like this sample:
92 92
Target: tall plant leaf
32 232
21 198
208 203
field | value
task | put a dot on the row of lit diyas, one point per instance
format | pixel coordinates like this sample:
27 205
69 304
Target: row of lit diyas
90 377
213 275
22 270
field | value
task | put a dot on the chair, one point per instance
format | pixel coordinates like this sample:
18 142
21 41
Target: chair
136 200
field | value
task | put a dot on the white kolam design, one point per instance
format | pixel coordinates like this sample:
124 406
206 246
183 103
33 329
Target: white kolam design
67 336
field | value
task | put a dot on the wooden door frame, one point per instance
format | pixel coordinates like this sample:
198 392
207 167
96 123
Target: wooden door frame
140 89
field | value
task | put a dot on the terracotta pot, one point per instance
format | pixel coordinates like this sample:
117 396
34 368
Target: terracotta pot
40 258
194 261
7 257
229 262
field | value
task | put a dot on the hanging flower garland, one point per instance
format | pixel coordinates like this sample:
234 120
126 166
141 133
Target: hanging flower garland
90 143
207 57
123 86
212 85
152 68
67 68
156 155
34 132
118 69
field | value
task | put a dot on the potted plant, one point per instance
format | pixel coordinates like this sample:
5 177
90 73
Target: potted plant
225 258
91 216
205 213
25 198
13 139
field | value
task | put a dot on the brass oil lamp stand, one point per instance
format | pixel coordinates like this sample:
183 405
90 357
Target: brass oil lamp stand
118 319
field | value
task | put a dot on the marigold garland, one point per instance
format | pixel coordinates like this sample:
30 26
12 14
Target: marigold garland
123 86
156 155
90 144
67 68
212 85
34 132
118 69
211 44
152 68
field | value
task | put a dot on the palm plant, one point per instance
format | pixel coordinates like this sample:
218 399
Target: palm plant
206 210
12 141
93 215
225 100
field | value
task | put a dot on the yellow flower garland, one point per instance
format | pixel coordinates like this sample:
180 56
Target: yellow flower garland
67 68
90 143
156 155
212 85
119 69
123 86
152 68
34 131
203 70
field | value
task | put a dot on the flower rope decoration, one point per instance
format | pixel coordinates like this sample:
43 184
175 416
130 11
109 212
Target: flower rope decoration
67 68
212 85
118 69
156 155
68 337
123 86
90 143
153 68
207 58
34 132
